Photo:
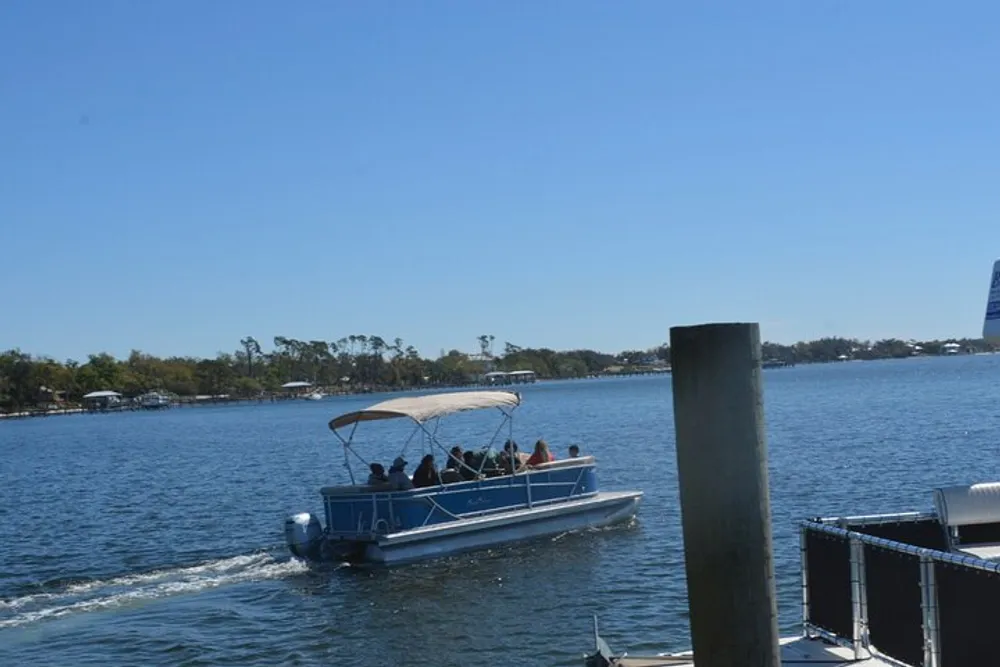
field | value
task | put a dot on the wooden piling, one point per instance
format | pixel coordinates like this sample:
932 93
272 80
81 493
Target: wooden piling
725 503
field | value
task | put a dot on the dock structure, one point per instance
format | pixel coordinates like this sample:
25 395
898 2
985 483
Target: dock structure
630 371
724 496
908 589
41 413
499 378
798 651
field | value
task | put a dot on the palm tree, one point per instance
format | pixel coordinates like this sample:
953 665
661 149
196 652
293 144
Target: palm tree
252 348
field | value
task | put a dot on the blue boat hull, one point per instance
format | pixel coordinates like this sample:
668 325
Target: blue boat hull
603 509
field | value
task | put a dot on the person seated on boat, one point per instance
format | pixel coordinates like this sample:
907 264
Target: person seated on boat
510 459
510 447
378 475
489 462
426 474
505 461
541 454
452 471
470 469
454 458
574 451
397 475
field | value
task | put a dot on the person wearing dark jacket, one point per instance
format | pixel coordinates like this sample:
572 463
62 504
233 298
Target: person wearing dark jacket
426 474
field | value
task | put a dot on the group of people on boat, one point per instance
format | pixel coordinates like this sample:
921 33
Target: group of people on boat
463 466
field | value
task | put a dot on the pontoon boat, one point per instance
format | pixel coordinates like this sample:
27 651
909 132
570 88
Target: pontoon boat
377 525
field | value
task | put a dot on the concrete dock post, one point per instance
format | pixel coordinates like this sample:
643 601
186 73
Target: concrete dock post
725 503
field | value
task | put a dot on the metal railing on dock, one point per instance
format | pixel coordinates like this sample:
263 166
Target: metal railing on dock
884 584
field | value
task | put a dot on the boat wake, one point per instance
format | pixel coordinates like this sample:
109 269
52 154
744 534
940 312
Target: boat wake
85 596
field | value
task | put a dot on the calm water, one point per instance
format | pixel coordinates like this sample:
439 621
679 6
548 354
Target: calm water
156 538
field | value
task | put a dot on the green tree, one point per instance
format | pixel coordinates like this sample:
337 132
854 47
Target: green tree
252 349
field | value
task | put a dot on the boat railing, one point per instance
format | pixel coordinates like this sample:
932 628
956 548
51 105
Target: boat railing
886 585
349 493
380 497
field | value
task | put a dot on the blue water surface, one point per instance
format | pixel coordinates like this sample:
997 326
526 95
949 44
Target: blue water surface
155 538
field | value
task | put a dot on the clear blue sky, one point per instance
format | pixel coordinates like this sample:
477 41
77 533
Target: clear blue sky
177 175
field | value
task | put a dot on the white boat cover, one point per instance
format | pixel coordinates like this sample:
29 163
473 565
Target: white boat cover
424 408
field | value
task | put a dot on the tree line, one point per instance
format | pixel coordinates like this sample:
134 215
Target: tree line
840 349
353 363
366 362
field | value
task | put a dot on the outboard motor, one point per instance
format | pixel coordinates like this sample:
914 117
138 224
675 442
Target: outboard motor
304 535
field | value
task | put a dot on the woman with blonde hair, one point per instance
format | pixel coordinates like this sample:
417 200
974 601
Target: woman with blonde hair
541 454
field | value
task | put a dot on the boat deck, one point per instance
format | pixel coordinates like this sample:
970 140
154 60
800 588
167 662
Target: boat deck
904 588
794 651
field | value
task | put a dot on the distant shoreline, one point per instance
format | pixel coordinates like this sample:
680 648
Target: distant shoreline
215 401
209 401
358 364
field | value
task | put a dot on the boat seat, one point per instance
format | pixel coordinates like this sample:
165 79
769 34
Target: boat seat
990 551
357 488
564 463
970 517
